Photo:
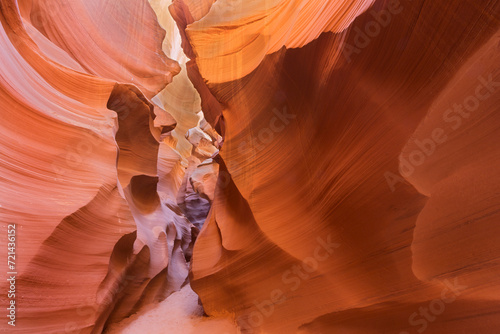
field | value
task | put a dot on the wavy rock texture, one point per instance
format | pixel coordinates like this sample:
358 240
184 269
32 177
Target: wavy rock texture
361 242
108 39
233 37
344 153
85 173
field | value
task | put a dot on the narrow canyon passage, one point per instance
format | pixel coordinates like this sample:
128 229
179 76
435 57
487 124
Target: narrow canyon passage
250 167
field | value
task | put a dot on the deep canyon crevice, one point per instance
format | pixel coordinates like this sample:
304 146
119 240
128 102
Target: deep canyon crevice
305 166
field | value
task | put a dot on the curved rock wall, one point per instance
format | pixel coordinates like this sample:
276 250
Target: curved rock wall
345 152
84 166
324 218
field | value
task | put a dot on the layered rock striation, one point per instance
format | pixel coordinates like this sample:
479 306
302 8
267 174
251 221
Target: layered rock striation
335 161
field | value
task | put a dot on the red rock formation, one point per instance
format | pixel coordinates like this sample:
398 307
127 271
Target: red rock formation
101 40
347 155
316 218
79 163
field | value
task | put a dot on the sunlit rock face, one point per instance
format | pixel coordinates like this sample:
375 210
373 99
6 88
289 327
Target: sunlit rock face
354 196
90 166
336 162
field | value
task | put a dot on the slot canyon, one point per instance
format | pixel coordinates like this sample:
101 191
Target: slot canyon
250 166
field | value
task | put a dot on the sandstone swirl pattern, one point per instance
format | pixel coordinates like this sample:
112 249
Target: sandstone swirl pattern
316 141
346 154
98 234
